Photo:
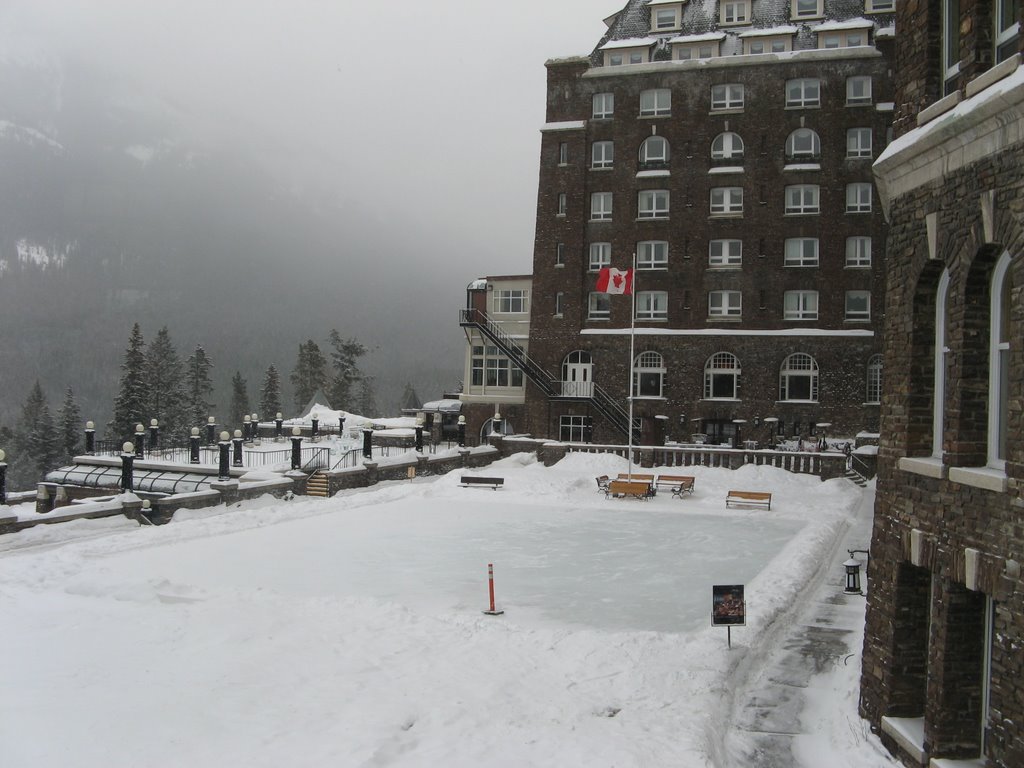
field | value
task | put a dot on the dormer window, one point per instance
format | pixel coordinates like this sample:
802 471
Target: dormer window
774 40
620 52
880 6
806 9
704 46
734 12
843 34
666 15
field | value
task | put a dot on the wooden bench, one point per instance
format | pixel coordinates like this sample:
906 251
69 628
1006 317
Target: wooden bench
494 482
749 498
678 484
638 489
635 476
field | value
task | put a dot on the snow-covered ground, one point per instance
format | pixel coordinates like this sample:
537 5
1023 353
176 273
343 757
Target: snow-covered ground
349 632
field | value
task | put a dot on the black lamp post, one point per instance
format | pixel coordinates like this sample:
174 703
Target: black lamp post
367 443
127 460
193 446
211 430
154 435
419 434
315 428
341 427
236 444
771 421
90 438
3 478
278 427
246 429
497 425
140 439
224 448
462 431
296 448
255 427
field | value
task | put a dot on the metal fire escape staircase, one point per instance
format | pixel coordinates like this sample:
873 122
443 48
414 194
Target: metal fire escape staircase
599 399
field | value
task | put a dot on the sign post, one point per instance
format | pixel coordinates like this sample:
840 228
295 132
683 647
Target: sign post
728 607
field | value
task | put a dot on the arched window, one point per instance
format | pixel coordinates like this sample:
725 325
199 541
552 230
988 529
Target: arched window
803 144
874 380
999 363
721 376
941 355
798 378
654 152
727 146
648 375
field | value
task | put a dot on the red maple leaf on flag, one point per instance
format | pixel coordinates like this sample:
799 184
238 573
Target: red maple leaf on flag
618 280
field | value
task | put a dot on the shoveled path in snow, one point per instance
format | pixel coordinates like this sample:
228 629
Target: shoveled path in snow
785 713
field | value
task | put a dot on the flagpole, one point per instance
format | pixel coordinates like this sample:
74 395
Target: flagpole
632 355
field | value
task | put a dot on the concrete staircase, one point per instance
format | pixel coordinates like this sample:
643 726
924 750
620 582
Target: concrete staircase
317 485
856 477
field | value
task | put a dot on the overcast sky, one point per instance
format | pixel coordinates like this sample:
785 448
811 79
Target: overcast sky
423 112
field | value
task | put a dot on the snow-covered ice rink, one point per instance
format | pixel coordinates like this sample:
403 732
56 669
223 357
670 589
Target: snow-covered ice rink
349 632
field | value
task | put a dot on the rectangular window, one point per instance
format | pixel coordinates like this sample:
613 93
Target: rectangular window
563 203
1007 17
782 44
853 39
514 301
725 253
727 96
830 41
614 59
950 41
755 47
858 305
573 429
636 58
652 254
664 18
656 102
803 92
499 371
858 251
801 252
726 201
600 256
803 199
858 198
563 153
800 305
559 303
858 142
652 305
683 52
602 154
858 90
476 374
652 204
880 6
737 12
599 306
806 9
601 206
725 304
560 255
604 106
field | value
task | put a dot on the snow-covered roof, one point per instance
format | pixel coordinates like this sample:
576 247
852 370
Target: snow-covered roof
707 37
651 174
449 406
632 42
665 2
723 169
885 32
836 26
479 284
787 29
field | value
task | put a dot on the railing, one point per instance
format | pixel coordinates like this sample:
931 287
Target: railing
319 458
578 389
801 462
511 348
354 457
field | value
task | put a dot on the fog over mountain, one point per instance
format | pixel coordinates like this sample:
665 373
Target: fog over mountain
253 174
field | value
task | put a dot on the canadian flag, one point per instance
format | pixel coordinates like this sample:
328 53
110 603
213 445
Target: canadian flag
610 280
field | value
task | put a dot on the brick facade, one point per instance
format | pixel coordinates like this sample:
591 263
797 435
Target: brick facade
945 613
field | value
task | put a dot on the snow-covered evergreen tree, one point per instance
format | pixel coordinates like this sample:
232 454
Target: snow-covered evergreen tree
37 443
367 397
166 382
270 393
345 354
410 400
310 374
198 388
239 401
132 399
70 426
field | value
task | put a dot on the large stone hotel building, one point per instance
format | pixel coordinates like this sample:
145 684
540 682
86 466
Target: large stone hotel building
727 147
